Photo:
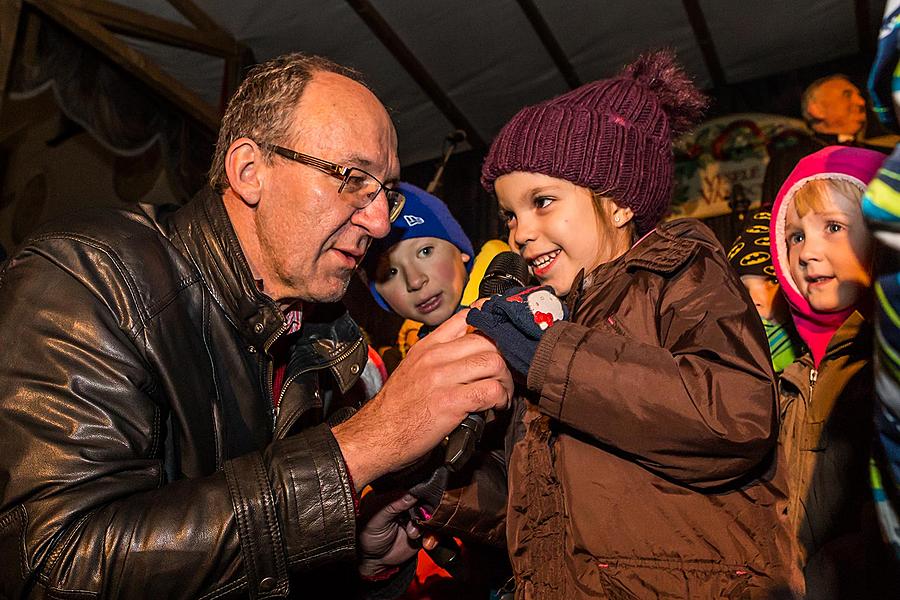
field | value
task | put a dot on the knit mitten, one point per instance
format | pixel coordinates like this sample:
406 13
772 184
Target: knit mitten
516 321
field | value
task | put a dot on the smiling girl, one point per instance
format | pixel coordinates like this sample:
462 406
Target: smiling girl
822 252
640 463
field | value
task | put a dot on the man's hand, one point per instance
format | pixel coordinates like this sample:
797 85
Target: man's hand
388 538
445 376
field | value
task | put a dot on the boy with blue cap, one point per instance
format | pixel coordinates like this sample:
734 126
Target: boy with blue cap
421 268
420 271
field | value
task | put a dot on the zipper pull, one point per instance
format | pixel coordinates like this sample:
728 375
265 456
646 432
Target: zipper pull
813 375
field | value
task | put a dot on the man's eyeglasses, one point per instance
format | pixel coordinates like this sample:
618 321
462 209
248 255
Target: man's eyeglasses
361 186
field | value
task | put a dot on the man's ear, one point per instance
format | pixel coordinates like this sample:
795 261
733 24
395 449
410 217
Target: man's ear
621 216
243 163
465 257
814 108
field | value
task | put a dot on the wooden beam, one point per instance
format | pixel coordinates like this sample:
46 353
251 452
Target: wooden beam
129 21
542 29
131 60
704 39
10 12
196 16
417 70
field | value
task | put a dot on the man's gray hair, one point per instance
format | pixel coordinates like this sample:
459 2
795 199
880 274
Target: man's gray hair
262 107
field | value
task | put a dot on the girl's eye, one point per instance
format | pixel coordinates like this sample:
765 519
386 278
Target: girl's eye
834 227
506 217
390 273
426 251
542 202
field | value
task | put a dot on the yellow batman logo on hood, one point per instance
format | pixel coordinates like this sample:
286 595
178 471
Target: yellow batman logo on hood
754 258
735 249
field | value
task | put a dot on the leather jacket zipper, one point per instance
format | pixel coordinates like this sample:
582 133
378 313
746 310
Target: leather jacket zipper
327 365
270 371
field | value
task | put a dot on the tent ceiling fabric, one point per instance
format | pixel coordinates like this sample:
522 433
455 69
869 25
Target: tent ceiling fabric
488 59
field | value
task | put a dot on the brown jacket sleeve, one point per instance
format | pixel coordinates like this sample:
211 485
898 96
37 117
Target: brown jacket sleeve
473 507
696 405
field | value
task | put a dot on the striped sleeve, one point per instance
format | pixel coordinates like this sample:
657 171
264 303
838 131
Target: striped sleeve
881 207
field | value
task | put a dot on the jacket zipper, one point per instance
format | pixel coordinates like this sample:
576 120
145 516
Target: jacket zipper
813 376
270 371
327 365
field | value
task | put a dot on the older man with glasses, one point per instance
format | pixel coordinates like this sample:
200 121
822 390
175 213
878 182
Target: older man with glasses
177 413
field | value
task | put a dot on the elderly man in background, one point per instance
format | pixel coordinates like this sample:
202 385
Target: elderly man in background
177 413
835 110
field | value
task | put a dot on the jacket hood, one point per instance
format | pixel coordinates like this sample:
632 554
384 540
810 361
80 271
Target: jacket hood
855 165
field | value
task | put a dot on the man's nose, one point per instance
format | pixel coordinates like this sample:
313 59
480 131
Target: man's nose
374 217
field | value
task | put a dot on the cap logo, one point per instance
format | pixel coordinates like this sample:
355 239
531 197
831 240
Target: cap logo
413 220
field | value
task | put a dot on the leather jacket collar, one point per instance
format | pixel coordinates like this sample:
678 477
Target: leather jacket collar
329 334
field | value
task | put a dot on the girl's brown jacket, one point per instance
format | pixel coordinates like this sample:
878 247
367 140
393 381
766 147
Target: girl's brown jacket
642 465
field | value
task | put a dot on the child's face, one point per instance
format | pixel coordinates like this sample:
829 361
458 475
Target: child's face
764 291
553 225
829 252
422 279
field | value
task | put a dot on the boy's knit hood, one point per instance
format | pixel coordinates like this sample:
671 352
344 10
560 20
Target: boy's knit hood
855 165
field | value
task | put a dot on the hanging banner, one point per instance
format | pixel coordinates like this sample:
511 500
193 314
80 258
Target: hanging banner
725 159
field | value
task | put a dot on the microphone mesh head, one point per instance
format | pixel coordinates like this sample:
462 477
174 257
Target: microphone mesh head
506 271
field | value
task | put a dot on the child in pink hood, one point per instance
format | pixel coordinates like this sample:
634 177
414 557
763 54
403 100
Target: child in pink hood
822 251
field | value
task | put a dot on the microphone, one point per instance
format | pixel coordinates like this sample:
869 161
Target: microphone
505 271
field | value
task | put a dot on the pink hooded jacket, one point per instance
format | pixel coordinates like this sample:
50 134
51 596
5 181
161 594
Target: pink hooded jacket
856 165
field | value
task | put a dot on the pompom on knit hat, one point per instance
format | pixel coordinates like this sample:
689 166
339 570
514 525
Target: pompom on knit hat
423 215
612 136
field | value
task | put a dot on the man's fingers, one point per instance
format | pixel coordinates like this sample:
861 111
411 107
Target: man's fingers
479 303
470 344
450 329
472 367
488 393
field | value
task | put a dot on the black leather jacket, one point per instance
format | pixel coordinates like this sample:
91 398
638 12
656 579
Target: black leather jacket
139 452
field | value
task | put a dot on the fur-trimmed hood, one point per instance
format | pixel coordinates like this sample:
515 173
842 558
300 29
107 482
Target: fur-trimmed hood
855 165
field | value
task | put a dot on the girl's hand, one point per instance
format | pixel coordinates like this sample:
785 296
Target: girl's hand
516 321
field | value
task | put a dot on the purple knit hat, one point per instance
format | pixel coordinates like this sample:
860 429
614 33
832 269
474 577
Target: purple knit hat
613 136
